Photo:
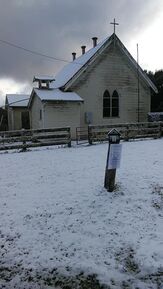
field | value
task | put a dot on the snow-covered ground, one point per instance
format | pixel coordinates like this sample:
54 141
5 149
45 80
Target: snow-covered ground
56 219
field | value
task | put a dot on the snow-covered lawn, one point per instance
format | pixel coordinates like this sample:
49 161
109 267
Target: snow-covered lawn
58 224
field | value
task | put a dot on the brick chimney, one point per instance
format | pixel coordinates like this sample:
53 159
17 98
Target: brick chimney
83 49
94 41
73 56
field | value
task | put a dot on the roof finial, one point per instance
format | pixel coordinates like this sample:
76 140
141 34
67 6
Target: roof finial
114 23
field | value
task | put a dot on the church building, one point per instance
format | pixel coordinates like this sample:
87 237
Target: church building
104 85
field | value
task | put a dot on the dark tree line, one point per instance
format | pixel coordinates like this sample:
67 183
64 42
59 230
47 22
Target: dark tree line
157 99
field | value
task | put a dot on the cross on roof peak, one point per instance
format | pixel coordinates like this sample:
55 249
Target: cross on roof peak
114 23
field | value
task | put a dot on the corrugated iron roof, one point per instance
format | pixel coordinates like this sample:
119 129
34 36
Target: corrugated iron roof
57 95
73 69
17 100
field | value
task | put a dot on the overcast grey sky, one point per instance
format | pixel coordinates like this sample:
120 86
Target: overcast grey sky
59 27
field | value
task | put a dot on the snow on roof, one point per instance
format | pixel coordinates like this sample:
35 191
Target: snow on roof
155 116
57 95
155 113
69 71
17 100
72 68
43 77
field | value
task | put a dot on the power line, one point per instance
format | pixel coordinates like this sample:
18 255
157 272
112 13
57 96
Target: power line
34 52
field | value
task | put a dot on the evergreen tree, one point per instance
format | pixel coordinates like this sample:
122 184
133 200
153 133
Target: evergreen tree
157 99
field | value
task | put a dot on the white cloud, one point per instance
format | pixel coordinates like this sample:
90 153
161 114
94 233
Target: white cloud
59 27
150 45
8 86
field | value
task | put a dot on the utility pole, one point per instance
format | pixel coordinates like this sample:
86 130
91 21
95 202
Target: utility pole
138 78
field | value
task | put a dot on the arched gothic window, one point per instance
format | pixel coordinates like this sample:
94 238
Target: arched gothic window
115 104
106 104
110 104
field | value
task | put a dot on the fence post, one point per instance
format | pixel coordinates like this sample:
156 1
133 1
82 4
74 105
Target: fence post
89 135
24 146
76 135
126 137
69 137
160 130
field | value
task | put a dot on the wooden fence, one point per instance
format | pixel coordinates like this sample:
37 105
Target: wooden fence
127 131
81 135
23 139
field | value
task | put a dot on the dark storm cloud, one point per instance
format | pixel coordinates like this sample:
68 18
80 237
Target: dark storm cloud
58 27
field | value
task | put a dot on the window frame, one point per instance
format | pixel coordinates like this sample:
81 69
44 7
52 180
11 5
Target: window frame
106 97
111 110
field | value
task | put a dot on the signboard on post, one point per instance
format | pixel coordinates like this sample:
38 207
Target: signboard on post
114 156
113 159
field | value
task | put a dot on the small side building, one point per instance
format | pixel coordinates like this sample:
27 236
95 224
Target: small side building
51 108
17 111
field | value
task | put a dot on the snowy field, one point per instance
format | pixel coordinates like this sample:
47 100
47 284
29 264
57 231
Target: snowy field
59 228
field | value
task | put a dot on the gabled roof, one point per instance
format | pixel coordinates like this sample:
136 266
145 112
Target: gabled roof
55 95
73 70
17 100
75 66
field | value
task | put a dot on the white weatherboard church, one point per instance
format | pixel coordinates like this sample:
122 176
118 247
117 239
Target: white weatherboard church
100 87
103 86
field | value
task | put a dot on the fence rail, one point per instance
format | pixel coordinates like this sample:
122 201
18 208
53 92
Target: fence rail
127 131
23 139
81 135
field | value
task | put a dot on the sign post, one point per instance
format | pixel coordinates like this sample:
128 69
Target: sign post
113 159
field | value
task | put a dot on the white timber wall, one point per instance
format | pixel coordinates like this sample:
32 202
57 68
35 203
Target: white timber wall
62 114
15 118
112 71
36 107
10 116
